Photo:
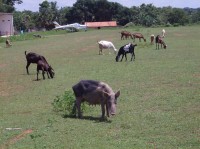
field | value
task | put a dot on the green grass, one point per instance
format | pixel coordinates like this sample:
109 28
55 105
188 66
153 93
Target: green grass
158 107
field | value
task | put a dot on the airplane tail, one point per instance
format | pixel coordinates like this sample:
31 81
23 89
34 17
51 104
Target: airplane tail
56 24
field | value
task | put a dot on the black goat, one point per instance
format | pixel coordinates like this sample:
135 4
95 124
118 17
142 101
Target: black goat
128 48
42 65
33 58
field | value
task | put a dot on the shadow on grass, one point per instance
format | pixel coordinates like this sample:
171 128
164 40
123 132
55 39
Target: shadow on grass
30 74
37 80
96 119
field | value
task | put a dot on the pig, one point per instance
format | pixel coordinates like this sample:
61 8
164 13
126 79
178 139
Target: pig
95 92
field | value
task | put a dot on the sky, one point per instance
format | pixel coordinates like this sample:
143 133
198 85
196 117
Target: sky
33 5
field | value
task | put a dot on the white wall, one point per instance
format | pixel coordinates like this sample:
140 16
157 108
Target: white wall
6 24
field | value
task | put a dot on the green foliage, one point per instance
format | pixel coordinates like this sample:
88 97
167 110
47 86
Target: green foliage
168 25
102 10
8 5
48 12
158 107
29 36
176 24
65 103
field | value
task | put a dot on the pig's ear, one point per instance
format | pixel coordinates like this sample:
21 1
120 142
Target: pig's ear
117 94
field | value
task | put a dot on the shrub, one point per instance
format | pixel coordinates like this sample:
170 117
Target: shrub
65 103
168 25
176 24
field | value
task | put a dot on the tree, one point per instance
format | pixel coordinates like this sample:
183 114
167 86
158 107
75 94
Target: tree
24 20
48 12
8 5
177 16
148 15
196 16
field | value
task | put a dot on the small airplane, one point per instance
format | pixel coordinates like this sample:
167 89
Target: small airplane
74 27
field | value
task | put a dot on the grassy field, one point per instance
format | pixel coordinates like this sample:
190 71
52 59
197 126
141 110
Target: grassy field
159 106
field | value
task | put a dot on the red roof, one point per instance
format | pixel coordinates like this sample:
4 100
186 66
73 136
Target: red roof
101 24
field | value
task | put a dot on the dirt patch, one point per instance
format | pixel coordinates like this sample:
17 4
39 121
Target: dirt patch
7 89
16 138
88 48
196 75
3 91
22 113
179 35
2 65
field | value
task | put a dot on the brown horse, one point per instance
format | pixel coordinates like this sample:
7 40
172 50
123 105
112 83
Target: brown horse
138 35
126 34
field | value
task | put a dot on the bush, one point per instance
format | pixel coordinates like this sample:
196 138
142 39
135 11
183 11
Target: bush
130 24
65 104
168 25
176 24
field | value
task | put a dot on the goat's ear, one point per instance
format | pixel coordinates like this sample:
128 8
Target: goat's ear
117 94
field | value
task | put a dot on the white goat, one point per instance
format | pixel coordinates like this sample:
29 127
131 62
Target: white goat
106 45
163 33
152 37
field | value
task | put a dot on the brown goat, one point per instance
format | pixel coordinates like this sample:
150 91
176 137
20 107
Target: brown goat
126 34
8 44
138 35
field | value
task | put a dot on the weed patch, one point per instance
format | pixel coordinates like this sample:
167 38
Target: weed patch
65 103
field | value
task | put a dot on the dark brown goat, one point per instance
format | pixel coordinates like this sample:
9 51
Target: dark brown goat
42 65
33 58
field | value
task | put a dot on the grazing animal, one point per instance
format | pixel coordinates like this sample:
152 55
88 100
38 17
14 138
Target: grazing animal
163 33
33 58
8 44
42 65
138 35
95 92
160 41
152 37
37 35
126 34
106 45
128 48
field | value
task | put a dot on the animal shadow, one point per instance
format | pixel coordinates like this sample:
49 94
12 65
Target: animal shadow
90 118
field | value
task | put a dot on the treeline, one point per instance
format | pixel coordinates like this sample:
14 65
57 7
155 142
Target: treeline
101 10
